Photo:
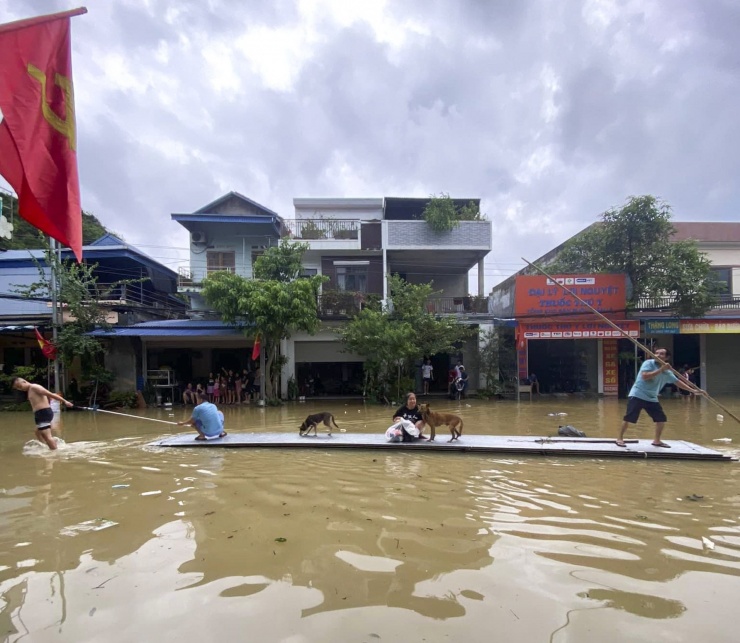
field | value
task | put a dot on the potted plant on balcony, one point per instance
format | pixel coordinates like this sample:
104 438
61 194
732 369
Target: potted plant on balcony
345 233
442 215
309 230
330 302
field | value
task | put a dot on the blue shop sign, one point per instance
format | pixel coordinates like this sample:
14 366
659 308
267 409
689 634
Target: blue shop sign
661 326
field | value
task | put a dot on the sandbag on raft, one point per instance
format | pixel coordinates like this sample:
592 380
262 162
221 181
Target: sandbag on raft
402 431
569 431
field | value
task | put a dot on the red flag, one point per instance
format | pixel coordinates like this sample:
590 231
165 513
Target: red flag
38 135
256 348
519 338
48 349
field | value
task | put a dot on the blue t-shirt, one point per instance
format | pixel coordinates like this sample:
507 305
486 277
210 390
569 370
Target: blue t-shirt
208 418
648 389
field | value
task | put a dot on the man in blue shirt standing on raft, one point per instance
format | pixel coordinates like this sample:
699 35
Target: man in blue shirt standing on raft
206 419
644 395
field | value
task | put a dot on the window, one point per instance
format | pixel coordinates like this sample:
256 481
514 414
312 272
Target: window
257 252
309 272
217 261
723 279
352 278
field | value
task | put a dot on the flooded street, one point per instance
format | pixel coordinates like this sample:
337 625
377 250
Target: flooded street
111 540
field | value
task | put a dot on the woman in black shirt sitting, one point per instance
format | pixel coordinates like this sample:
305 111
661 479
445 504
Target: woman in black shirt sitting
411 412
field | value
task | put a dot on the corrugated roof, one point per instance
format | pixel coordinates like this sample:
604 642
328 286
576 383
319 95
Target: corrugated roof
133 331
708 231
222 218
174 328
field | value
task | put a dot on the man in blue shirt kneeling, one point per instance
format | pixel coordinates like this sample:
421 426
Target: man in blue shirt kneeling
206 419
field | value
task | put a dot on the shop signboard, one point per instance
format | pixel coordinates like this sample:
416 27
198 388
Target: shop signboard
539 295
710 326
662 326
578 329
610 367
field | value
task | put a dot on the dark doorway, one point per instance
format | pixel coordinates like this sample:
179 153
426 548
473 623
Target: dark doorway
231 359
329 378
563 365
686 352
626 366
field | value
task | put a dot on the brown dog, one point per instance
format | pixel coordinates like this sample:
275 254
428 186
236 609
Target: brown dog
312 421
435 419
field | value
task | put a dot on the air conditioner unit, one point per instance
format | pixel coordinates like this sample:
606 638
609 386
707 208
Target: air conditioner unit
198 237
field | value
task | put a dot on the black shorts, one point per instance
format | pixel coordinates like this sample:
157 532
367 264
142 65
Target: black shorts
43 418
653 409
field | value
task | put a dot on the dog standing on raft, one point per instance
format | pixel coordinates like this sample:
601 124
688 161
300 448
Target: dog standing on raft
644 395
312 421
435 419
39 398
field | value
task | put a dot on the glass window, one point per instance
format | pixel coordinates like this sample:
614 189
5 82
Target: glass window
723 277
217 261
352 278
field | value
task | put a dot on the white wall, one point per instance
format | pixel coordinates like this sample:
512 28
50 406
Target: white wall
358 209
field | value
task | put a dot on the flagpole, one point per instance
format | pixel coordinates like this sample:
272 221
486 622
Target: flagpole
37 20
54 307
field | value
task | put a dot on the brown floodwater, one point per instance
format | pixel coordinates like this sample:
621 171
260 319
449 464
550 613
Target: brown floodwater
111 540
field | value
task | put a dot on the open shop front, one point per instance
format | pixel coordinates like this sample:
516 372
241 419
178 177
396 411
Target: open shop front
581 356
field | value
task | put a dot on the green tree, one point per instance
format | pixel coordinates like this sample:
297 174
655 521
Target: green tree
78 294
393 340
25 236
443 215
636 240
273 305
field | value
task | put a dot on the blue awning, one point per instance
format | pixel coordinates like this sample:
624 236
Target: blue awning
174 328
131 331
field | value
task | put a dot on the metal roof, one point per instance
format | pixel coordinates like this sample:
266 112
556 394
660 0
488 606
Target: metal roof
174 328
223 218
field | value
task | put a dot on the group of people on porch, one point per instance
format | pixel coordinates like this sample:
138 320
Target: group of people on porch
226 387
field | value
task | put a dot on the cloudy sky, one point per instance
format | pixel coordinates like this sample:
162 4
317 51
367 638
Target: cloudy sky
550 112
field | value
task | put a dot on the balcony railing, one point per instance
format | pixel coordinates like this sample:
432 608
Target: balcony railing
406 235
323 229
341 304
187 279
457 305
724 302
129 294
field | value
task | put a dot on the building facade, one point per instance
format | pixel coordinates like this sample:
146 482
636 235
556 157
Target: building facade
583 355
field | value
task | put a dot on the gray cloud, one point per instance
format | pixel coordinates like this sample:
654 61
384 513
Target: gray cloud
550 112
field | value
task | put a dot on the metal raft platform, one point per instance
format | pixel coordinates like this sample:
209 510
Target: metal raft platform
555 446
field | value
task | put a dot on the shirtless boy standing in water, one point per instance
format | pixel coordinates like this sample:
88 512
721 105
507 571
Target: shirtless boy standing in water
39 398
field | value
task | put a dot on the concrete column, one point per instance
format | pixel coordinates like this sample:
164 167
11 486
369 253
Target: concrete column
481 278
483 330
287 349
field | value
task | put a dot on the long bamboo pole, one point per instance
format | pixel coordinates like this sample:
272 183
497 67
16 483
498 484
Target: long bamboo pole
126 415
636 343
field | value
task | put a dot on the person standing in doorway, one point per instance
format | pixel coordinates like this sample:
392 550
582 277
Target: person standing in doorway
687 374
534 383
39 398
427 375
653 376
